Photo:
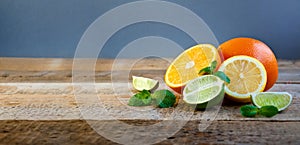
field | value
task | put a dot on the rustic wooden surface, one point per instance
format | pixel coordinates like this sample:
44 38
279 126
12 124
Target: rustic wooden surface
38 105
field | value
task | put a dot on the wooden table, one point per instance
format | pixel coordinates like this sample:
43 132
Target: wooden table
39 106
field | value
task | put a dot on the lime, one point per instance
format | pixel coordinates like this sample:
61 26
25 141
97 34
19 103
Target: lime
142 83
203 91
281 100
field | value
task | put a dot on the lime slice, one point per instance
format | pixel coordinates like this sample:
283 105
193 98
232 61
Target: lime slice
204 89
281 100
142 83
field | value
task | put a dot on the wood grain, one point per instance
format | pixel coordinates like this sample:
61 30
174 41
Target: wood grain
59 64
106 70
56 101
40 103
289 76
72 132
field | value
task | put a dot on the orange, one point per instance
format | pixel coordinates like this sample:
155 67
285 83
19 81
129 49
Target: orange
247 76
256 49
187 65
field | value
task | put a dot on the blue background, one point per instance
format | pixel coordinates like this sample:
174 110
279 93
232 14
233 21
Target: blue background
52 28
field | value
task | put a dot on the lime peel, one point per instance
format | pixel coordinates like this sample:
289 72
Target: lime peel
281 100
204 89
142 83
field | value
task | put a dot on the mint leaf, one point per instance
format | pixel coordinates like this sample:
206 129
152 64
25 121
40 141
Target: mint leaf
222 76
249 110
142 98
268 111
206 70
164 98
213 65
210 69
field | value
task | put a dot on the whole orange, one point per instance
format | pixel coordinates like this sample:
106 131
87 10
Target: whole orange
253 48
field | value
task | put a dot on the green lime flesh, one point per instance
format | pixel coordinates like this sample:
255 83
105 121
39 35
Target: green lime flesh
205 91
199 83
280 100
215 101
142 83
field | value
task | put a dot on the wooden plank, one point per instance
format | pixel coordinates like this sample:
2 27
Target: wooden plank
44 110
59 64
56 101
81 76
60 70
219 132
286 76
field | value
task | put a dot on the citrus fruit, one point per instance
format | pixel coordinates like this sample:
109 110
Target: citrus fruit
247 76
281 100
188 64
204 90
142 83
253 48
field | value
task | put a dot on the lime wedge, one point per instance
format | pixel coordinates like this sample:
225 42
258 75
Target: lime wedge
204 89
142 83
281 100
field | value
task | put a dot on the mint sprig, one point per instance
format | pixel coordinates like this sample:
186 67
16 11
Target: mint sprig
210 70
251 111
160 98
206 70
164 98
142 98
268 111
222 76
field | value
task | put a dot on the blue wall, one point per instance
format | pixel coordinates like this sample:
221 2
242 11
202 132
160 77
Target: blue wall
52 28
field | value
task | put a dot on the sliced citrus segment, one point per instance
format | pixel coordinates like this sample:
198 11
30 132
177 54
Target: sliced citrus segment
281 100
247 76
204 89
187 65
142 83
256 49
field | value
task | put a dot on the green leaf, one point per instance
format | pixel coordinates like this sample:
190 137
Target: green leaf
206 70
142 98
210 69
213 65
164 98
222 76
268 111
249 110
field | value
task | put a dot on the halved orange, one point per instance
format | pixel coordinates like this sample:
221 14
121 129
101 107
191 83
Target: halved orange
187 65
247 76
